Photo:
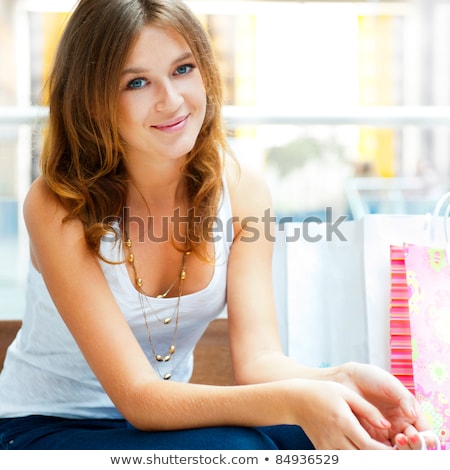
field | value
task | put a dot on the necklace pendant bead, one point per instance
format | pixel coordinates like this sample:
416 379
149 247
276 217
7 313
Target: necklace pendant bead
165 321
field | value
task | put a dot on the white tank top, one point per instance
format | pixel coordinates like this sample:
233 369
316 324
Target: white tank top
45 372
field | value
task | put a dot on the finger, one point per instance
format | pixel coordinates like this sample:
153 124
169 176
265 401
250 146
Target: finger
368 412
356 438
396 392
356 434
410 407
424 440
359 439
413 438
407 403
416 441
381 435
349 445
401 442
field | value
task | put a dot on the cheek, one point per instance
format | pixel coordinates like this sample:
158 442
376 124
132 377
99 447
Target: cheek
203 103
125 120
131 105
122 112
130 118
198 92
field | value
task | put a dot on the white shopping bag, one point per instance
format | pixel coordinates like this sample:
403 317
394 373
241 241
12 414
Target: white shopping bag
325 301
338 286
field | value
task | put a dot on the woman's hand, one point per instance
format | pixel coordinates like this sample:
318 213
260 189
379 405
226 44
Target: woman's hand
330 415
397 405
426 440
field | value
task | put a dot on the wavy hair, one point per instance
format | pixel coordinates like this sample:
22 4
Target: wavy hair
83 155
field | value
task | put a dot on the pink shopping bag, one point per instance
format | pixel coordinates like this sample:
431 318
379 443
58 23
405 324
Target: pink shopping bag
428 280
399 324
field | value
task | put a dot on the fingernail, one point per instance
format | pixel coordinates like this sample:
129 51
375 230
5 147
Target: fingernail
402 440
385 423
414 438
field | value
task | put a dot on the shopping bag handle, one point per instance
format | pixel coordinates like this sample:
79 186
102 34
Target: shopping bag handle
444 199
429 441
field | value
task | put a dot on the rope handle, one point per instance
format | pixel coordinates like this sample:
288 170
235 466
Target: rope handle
443 200
429 441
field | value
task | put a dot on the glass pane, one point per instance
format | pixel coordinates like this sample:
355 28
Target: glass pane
331 100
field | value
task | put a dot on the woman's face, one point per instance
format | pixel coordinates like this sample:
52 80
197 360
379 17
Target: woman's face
162 98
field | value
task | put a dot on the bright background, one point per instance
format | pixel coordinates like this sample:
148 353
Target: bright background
342 104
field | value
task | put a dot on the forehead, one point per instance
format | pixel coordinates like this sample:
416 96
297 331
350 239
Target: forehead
157 45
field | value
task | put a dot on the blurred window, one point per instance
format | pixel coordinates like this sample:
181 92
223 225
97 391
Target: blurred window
302 81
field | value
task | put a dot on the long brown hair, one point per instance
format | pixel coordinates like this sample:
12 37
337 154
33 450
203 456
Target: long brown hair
82 158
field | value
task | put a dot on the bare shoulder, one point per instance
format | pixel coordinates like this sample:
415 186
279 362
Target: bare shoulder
44 216
41 203
249 191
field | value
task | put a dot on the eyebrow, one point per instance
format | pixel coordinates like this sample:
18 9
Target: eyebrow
137 70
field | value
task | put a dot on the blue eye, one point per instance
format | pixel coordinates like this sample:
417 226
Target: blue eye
184 69
137 83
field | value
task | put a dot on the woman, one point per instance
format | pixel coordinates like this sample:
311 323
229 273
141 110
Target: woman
129 266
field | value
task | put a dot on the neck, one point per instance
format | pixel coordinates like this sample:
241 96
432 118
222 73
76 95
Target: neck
156 180
158 186
160 199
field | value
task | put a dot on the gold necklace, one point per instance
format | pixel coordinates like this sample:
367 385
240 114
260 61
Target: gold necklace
143 299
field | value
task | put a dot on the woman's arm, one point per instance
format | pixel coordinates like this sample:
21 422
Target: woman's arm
81 294
256 352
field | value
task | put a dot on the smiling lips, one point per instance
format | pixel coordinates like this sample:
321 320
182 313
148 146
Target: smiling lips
173 125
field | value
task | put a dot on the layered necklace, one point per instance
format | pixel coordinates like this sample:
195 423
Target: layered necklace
144 300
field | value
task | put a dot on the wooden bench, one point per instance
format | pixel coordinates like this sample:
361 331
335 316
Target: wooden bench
8 331
212 357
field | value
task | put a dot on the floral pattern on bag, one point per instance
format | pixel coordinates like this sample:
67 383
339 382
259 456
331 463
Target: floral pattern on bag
428 280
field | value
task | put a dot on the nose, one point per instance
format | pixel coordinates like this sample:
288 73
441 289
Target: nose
169 98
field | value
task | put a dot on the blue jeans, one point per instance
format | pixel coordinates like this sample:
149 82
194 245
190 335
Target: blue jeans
51 433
